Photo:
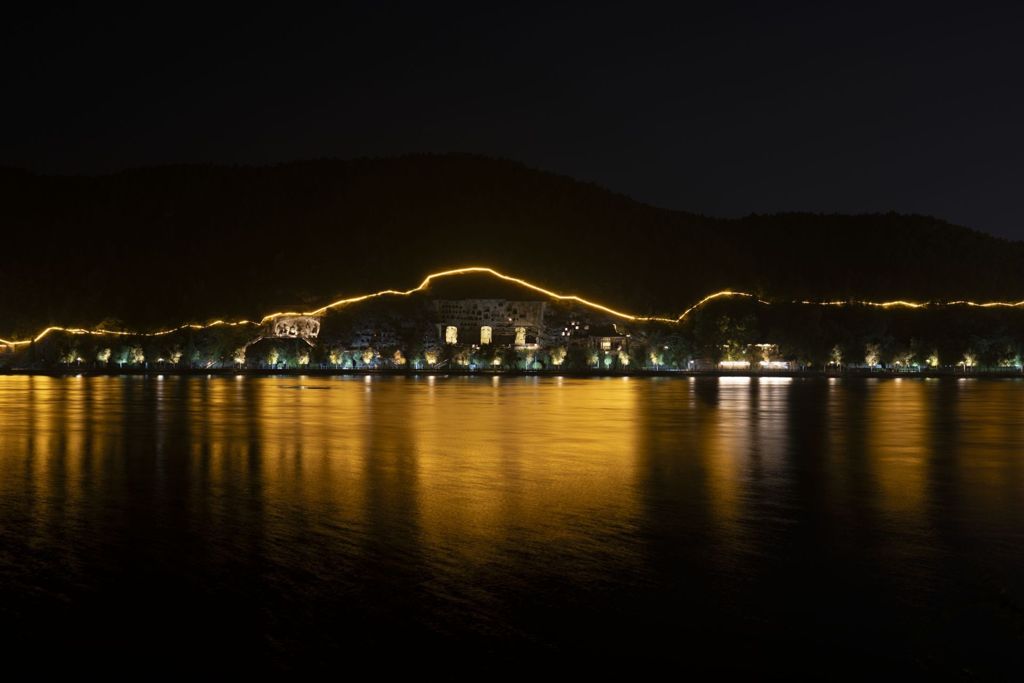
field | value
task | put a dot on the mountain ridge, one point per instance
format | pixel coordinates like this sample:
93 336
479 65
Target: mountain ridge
207 241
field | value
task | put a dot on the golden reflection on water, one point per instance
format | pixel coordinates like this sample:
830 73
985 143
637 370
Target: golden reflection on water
609 514
467 469
898 418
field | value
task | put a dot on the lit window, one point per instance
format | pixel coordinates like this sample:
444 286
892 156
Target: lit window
520 336
606 344
451 334
485 335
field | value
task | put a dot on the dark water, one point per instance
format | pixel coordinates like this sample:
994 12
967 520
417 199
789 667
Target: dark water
815 525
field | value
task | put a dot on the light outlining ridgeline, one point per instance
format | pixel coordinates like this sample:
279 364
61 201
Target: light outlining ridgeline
508 278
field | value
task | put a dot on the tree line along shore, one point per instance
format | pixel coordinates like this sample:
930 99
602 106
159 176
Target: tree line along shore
426 334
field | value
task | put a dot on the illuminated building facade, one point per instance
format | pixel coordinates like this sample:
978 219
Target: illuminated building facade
489 321
294 327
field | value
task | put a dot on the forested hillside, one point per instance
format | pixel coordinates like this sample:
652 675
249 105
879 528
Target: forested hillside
159 246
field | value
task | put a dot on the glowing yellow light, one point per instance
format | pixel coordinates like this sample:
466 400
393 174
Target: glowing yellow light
558 355
508 278
710 297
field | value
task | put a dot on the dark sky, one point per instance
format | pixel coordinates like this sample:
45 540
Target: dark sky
849 108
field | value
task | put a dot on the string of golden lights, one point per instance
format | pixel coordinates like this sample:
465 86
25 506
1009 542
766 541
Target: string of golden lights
508 278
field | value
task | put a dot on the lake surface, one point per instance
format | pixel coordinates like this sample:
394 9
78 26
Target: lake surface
831 526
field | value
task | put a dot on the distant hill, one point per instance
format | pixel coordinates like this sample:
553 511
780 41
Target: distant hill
162 245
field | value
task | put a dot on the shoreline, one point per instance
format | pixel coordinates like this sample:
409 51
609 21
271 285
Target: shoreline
575 374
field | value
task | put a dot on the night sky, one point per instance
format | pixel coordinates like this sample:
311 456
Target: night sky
844 108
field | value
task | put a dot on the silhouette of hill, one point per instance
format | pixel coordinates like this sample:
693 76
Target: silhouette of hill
157 246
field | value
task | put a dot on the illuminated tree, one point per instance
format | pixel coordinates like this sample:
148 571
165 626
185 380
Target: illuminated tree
623 359
902 358
836 356
239 356
397 358
137 355
174 355
368 356
272 356
334 357
430 357
302 357
724 337
103 356
871 354
558 355
969 360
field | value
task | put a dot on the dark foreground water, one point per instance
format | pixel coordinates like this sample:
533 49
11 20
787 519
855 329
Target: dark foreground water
819 525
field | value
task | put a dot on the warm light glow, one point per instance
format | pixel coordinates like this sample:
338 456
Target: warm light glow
508 278
871 355
558 355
